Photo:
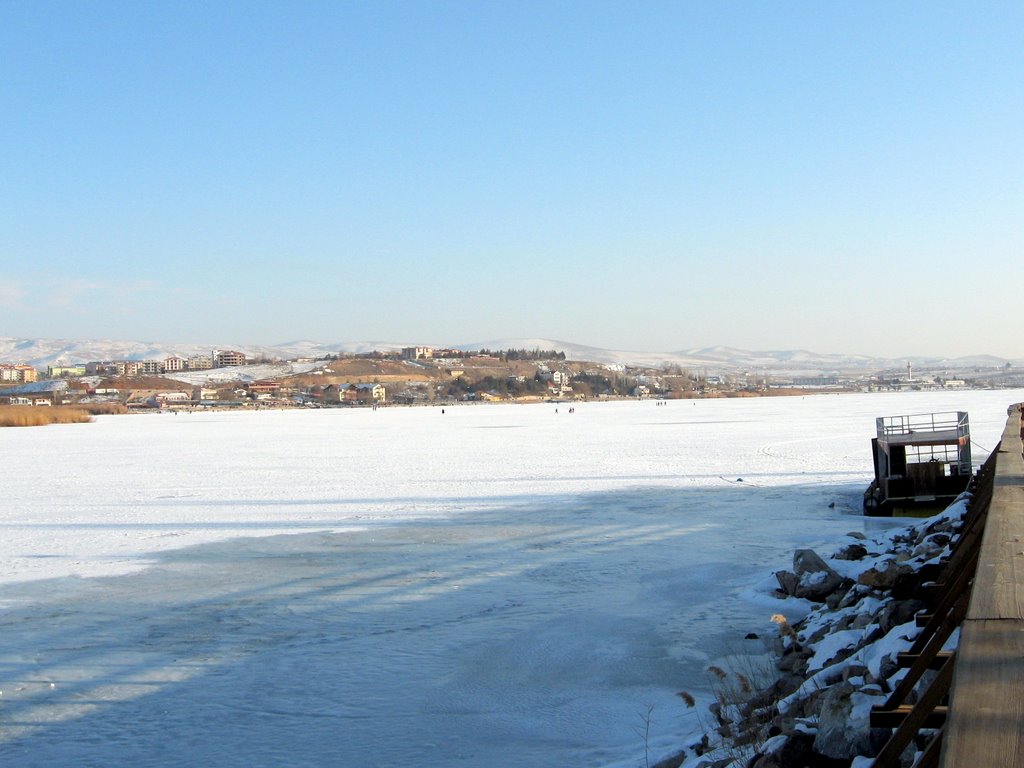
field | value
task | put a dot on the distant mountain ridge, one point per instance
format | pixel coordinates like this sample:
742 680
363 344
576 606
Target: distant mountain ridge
45 352
732 359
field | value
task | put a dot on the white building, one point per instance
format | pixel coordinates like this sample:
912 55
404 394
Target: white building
417 353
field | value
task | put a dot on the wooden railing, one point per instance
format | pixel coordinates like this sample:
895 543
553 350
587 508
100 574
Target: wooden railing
986 722
971 712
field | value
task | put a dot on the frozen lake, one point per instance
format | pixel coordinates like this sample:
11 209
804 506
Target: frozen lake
494 585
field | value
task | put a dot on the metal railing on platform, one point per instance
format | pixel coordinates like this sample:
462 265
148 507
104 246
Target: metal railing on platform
923 422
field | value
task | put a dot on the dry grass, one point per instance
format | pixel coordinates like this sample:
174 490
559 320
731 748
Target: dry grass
734 728
32 416
101 409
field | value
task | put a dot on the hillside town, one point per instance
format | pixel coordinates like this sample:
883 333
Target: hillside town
426 375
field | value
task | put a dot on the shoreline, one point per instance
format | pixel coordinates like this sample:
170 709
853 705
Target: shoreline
833 664
98 408
528 400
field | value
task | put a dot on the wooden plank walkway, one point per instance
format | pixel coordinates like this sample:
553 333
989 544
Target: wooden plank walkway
986 712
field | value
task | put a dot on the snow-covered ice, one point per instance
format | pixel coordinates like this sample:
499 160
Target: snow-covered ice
495 585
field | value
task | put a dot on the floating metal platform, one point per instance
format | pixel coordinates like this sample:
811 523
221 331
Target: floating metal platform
922 462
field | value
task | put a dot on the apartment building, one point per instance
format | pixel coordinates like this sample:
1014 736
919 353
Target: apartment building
18 374
417 353
223 358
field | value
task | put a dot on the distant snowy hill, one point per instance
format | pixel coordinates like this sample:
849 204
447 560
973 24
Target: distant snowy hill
716 358
731 359
44 352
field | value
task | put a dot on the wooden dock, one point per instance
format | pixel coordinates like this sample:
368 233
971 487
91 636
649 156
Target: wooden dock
986 721
970 711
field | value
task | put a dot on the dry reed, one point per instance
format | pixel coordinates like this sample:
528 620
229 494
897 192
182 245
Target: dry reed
99 409
37 416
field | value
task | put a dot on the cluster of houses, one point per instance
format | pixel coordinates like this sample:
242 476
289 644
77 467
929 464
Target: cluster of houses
259 392
219 358
559 382
431 353
13 375
36 393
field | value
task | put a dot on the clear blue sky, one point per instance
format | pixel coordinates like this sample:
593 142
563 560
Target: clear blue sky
835 176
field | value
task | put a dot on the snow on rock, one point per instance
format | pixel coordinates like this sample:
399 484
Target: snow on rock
812 578
839 660
832 644
843 730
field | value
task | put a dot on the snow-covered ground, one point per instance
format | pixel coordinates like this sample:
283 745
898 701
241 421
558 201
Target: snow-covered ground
491 585
242 373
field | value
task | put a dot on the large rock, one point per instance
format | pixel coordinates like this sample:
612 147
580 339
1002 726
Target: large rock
673 761
886 576
854 596
795 752
898 612
834 599
808 561
794 659
852 552
931 546
788 582
817 579
843 730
